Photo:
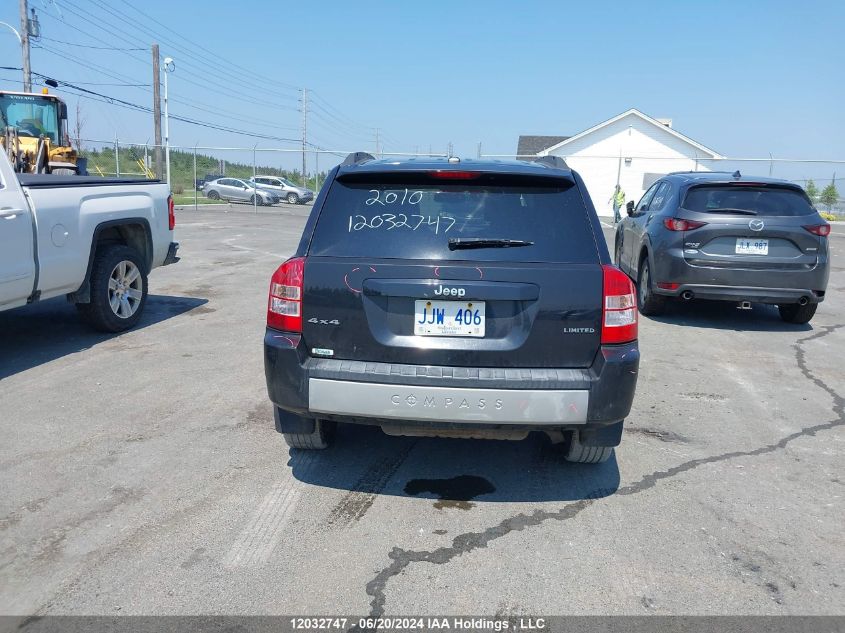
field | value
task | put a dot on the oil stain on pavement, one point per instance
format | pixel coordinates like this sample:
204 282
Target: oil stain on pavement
455 492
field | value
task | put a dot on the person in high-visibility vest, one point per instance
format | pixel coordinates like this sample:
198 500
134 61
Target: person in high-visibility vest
618 201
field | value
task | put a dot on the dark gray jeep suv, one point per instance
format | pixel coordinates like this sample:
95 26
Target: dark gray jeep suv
453 298
722 236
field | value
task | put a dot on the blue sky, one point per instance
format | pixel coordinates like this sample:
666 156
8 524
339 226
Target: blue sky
745 78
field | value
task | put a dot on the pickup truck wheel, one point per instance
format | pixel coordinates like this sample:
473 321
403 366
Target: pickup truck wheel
798 314
322 437
213 195
118 289
650 303
577 452
293 198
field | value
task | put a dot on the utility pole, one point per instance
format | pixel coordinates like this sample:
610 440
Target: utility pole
304 132
27 72
157 112
378 149
479 150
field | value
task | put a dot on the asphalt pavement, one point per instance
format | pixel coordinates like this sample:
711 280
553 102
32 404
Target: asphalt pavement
141 473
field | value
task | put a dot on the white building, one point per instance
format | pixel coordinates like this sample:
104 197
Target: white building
631 149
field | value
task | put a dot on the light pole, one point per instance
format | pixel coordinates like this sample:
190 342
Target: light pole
20 41
169 67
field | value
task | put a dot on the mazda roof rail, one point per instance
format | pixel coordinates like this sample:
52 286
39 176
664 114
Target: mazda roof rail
356 158
552 161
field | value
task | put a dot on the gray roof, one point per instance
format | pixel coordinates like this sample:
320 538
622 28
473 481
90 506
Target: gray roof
532 145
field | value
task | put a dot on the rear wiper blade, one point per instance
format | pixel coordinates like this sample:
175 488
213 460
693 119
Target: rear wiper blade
456 243
729 210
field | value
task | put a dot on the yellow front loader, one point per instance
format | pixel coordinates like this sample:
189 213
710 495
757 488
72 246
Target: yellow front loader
34 133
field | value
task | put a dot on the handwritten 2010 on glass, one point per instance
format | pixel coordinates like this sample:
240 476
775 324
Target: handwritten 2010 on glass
392 197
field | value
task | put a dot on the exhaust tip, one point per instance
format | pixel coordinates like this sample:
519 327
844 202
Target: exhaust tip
686 295
803 301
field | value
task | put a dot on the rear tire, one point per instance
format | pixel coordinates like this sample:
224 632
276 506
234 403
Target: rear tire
580 454
118 289
794 313
213 195
322 437
650 304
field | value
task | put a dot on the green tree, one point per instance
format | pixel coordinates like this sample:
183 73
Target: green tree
812 191
829 195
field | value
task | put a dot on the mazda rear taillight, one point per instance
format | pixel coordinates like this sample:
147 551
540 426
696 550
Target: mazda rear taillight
822 230
171 215
619 308
679 224
284 307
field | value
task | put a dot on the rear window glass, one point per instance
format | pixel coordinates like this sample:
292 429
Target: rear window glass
762 200
417 222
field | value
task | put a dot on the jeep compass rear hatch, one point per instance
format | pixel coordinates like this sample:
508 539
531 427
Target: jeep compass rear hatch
747 225
454 268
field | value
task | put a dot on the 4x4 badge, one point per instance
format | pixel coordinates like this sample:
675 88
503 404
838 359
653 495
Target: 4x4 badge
756 225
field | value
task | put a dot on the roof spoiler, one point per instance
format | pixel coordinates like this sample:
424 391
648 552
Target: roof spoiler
356 158
555 162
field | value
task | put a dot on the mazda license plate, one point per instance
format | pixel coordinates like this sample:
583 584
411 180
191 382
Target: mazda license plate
750 246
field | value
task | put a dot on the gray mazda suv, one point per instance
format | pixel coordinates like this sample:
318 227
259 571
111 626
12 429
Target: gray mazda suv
726 237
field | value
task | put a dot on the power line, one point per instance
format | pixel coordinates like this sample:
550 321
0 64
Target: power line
97 96
201 64
251 71
330 117
102 48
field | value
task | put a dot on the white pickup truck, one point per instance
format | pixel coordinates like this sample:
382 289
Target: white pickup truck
91 239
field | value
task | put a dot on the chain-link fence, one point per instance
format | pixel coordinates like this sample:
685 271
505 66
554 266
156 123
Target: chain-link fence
190 167
635 174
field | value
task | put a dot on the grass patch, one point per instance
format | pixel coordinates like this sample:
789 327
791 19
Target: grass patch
188 199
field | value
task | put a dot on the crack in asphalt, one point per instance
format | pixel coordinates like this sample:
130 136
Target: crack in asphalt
465 543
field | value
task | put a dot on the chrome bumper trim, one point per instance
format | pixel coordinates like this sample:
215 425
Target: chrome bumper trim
448 404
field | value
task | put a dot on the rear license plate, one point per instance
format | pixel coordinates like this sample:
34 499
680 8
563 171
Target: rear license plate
747 246
449 318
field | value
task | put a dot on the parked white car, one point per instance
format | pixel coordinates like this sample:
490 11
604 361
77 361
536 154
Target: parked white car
285 189
235 189
91 239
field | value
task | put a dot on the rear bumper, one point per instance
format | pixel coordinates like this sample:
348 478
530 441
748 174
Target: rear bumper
746 293
742 284
449 397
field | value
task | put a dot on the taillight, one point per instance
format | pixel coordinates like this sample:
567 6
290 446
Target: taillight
678 224
284 307
822 230
619 308
171 215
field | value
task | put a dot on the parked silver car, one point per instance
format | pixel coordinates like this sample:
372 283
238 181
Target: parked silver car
285 189
240 190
